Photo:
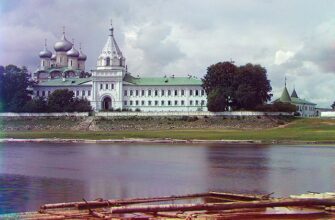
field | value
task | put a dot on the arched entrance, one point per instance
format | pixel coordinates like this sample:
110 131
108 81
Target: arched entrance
106 103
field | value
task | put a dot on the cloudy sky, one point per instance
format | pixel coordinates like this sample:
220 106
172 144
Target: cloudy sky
292 38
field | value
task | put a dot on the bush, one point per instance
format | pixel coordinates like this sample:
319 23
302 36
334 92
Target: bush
37 105
277 107
137 110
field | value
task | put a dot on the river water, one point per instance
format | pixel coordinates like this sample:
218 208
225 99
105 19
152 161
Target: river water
32 174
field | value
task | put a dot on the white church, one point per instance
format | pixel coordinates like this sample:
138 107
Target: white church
111 86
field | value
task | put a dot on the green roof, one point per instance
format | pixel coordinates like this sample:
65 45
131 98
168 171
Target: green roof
301 101
285 97
162 81
67 82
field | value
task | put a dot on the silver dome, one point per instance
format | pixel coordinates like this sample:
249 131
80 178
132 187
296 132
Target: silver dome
45 53
73 52
63 45
82 56
53 57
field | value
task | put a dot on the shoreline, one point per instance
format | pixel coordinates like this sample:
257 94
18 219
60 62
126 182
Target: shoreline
156 140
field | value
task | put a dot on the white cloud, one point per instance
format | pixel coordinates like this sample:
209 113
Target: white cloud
283 56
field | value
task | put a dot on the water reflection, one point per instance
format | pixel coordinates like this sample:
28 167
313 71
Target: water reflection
33 174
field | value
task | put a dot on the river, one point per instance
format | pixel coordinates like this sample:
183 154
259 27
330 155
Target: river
32 174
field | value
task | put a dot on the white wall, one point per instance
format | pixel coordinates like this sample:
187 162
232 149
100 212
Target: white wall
77 90
328 114
191 113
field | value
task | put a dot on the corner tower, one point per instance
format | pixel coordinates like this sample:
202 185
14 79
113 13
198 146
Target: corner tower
108 75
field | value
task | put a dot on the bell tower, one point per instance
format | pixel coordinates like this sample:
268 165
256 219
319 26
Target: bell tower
108 76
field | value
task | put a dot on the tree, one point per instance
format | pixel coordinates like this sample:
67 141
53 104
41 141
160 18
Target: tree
61 100
333 105
253 87
229 86
219 83
14 84
36 105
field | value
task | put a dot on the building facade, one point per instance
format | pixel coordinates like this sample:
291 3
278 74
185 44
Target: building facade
110 85
304 107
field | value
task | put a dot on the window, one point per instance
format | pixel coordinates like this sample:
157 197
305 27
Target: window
156 92
108 61
142 92
182 102
131 103
191 102
136 102
125 92
131 92
142 102
175 92
149 102
49 93
191 92
125 103
169 92
202 102
112 86
71 62
43 93
196 92
43 63
89 92
182 92
149 92
101 86
202 92
156 103
175 102
106 86
38 93
137 92
196 102
162 92
83 93
77 93
162 103
169 102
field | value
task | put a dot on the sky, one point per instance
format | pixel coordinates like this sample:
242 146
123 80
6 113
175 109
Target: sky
289 38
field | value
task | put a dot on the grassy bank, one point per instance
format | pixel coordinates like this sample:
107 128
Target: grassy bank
320 130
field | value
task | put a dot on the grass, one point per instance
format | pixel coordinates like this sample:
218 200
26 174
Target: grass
315 129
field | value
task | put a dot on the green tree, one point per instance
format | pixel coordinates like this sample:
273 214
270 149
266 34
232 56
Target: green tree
14 84
232 87
253 87
63 100
36 105
333 105
220 83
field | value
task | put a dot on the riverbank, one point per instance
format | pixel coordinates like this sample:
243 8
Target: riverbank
306 130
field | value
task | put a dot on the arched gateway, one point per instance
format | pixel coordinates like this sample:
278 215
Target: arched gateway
107 103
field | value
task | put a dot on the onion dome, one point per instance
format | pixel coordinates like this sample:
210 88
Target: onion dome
73 52
82 56
45 53
53 57
63 45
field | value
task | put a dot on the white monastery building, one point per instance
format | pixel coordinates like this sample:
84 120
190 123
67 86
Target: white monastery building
110 85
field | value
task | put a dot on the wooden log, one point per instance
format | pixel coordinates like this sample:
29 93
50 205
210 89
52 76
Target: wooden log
106 203
225 206
240 197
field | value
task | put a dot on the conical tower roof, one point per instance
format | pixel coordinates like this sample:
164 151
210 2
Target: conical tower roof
285 97
111 49
294 94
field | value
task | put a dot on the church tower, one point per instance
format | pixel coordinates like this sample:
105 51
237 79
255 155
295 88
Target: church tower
108 76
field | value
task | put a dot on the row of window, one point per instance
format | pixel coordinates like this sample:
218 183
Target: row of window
77 93
163 92
106 86
309 108
164 103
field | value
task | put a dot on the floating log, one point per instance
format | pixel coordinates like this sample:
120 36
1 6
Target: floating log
241 197
224 206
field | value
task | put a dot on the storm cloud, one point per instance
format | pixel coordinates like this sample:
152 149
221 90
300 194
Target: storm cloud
295 39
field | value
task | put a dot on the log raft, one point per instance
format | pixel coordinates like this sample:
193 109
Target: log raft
214 205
